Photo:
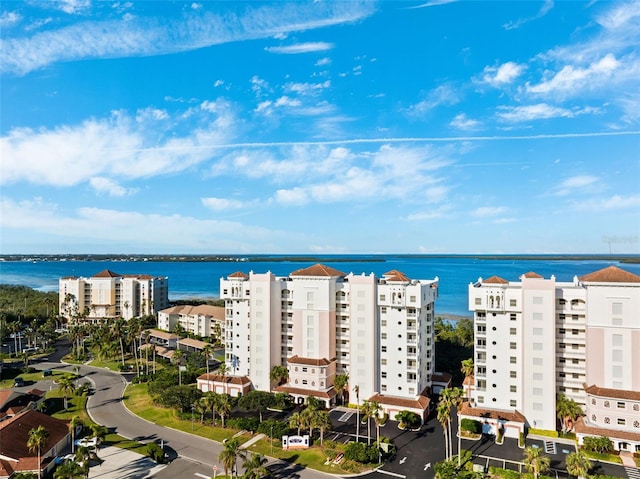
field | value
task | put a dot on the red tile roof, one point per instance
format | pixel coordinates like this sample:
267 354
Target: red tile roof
238 274
582 428
395 275
318 270
216 312
438 377
512 416
531 274
219 378
328 394
15 434
420 402
495 280
106 273
310 361
610 274
594 390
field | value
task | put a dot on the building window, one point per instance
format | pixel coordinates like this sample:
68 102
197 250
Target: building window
383 362
512 316
383 297
593 417
621 405
513 303
412 299
383 349
513 374
478 301
636 423
383 322
621 421
383 374
607 420
384 310
537 300
383 336
513 403
383 387
304 381
606 404
513 346
512 331
512 360
481 399
636 407
513 389
593 401
304 370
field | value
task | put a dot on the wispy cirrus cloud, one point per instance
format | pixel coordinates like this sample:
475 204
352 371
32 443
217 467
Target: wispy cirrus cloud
301 48
8 19
575 184
540 111
225 204
109 187
461 122
142 36
442 95
505 74
546 7
615 202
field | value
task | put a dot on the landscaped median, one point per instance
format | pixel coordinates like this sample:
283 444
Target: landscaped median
138 401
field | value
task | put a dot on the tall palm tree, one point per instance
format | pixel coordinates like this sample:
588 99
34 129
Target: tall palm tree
223 406
467 369
99 433
535 461
452 397
223 370
255 467
75 422
578 464
67 387
37 440
83 456
443 411
229 456
176 358
356 389
207 352
366 411
201 407
322 422
296 421
208 401
341 384
119 331
376 409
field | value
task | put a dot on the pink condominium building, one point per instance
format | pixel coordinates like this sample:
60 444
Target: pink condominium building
319 322
537 338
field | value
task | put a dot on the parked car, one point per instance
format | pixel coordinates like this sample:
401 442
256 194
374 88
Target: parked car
68 457
87 442
47 372
18 382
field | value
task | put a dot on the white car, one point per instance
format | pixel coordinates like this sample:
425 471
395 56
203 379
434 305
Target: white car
87 442
68 457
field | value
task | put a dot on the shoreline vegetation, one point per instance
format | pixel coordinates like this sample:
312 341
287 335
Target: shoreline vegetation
364 258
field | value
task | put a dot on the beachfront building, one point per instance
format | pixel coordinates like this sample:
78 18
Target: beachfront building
319 322
538 338
203 320
108 295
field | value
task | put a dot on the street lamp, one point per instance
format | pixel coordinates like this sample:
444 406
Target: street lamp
272 439
193 408
356 389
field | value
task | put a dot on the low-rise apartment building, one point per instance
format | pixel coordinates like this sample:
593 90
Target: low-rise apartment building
108 295
319 322
203 320
537 338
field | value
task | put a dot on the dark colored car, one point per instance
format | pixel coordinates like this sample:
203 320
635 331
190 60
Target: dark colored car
18 382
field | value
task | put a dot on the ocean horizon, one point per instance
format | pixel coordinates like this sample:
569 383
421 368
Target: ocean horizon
201 279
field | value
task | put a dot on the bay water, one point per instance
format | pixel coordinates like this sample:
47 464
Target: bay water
201 279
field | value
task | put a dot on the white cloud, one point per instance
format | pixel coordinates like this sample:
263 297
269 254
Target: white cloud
113 227
489 211
292 197
307 88
218 83
8 19
546 7
461 122
442 95
575 184
615 202
224 204
196 6
571 79
301 48
120 146
191 30
621 14
503 75
106 186
433 3
72 6
323 61
540 111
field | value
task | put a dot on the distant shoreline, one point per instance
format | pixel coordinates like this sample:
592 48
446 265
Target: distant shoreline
360 258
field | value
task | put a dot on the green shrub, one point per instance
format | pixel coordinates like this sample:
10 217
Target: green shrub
600 444
278 428
244 423
521 439
360 452
155 452
471 425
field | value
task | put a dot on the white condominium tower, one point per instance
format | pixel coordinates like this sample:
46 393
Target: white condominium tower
320 322
108 295
538 338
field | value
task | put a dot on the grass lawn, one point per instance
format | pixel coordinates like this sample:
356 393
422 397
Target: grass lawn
602 456
9 376
138 401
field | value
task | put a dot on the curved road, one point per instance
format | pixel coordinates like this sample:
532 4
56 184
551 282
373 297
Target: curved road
105 407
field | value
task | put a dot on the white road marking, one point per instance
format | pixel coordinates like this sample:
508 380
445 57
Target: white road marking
427 466
201 475
403 460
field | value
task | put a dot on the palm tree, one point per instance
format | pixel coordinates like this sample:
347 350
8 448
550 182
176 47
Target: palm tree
99 432
223 370
201 407
176 358
15 327
36 441
322 422
578 464
207 352
567 411
376 409
467 369
208 401
67 387
229 456
223 406
452 397
279 374
535 461
68 470
75 422
83 456
366 410
297 421
255 467
443 414
341 384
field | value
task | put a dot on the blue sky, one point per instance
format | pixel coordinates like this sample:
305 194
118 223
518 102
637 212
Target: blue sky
320 127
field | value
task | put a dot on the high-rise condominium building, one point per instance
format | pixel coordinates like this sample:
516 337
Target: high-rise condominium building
538 338
320 322
109 295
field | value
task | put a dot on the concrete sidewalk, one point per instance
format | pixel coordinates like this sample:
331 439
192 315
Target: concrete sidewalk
123 464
